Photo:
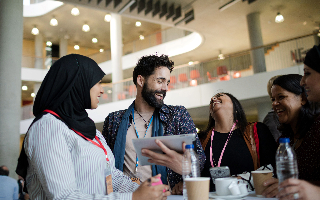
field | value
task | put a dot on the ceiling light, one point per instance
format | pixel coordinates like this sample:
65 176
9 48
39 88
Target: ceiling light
101 50
75 11
109 91
24 88
85 28
33 94
35 31
319 34
141 37
54 22
279 18
76 47
94 40
190 62
107 18
49 44
220 56
138 24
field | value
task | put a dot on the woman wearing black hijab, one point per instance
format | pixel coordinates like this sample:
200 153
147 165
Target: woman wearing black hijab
64 156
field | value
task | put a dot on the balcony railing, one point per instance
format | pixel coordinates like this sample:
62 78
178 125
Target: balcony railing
237 65
156 38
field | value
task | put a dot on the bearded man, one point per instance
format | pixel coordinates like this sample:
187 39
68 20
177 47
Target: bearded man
148 116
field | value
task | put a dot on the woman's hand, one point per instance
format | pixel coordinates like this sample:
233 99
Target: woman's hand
170 158
298 189
272 188
177 189
148 192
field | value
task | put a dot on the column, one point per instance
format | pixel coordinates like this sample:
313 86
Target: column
316 37
116 54
263 109
11 35
255 36
63 47
38 51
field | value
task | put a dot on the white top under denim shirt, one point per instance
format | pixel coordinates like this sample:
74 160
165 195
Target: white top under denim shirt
63 165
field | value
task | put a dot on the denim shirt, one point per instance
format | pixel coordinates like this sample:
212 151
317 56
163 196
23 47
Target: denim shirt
175 120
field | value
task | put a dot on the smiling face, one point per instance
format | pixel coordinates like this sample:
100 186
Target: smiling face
311 82
95 93
156 86
287 105
221 103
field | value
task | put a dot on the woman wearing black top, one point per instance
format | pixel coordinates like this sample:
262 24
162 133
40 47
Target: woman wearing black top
228 129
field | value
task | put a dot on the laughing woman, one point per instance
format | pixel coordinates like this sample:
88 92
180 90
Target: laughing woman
301 189
63 155
296 116
233 142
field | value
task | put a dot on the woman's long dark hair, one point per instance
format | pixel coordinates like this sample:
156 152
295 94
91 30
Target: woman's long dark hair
291 83
238 115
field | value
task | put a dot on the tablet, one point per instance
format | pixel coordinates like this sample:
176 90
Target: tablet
173 142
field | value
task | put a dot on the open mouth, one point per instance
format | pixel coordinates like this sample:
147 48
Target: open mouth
215 102
159 96
279 111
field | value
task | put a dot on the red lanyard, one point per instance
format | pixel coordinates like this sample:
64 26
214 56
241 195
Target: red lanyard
77 132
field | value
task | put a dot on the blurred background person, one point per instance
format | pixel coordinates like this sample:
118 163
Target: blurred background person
8 186
271 119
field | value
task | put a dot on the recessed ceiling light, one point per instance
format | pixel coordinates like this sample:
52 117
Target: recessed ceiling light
279 18
107 18
75 11
109 91
49 43
101 50
54 22
138 24
190 62
85 28
33 94
35 31
24 87
141 37
94 40
76 47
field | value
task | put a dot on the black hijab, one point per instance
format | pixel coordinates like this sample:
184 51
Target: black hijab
312 58
66 91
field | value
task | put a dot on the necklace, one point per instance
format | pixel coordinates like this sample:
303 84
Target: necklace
146 123
222 152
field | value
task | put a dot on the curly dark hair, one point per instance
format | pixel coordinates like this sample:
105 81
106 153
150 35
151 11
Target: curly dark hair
291 83
238 115
147 64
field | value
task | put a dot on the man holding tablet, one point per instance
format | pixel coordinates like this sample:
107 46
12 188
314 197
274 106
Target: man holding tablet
148 116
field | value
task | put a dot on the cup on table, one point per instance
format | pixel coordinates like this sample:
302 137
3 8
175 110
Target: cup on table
198 188
222 185
258 178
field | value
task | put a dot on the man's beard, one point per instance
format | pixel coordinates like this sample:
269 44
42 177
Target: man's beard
150 96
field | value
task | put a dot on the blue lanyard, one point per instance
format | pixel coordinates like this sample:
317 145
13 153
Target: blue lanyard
138 133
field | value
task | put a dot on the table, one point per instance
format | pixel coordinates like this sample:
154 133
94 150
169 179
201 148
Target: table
251 196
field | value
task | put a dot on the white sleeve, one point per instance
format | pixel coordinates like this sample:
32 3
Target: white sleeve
49 155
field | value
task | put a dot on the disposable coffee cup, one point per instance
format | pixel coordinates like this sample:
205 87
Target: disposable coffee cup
259 177
198 188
